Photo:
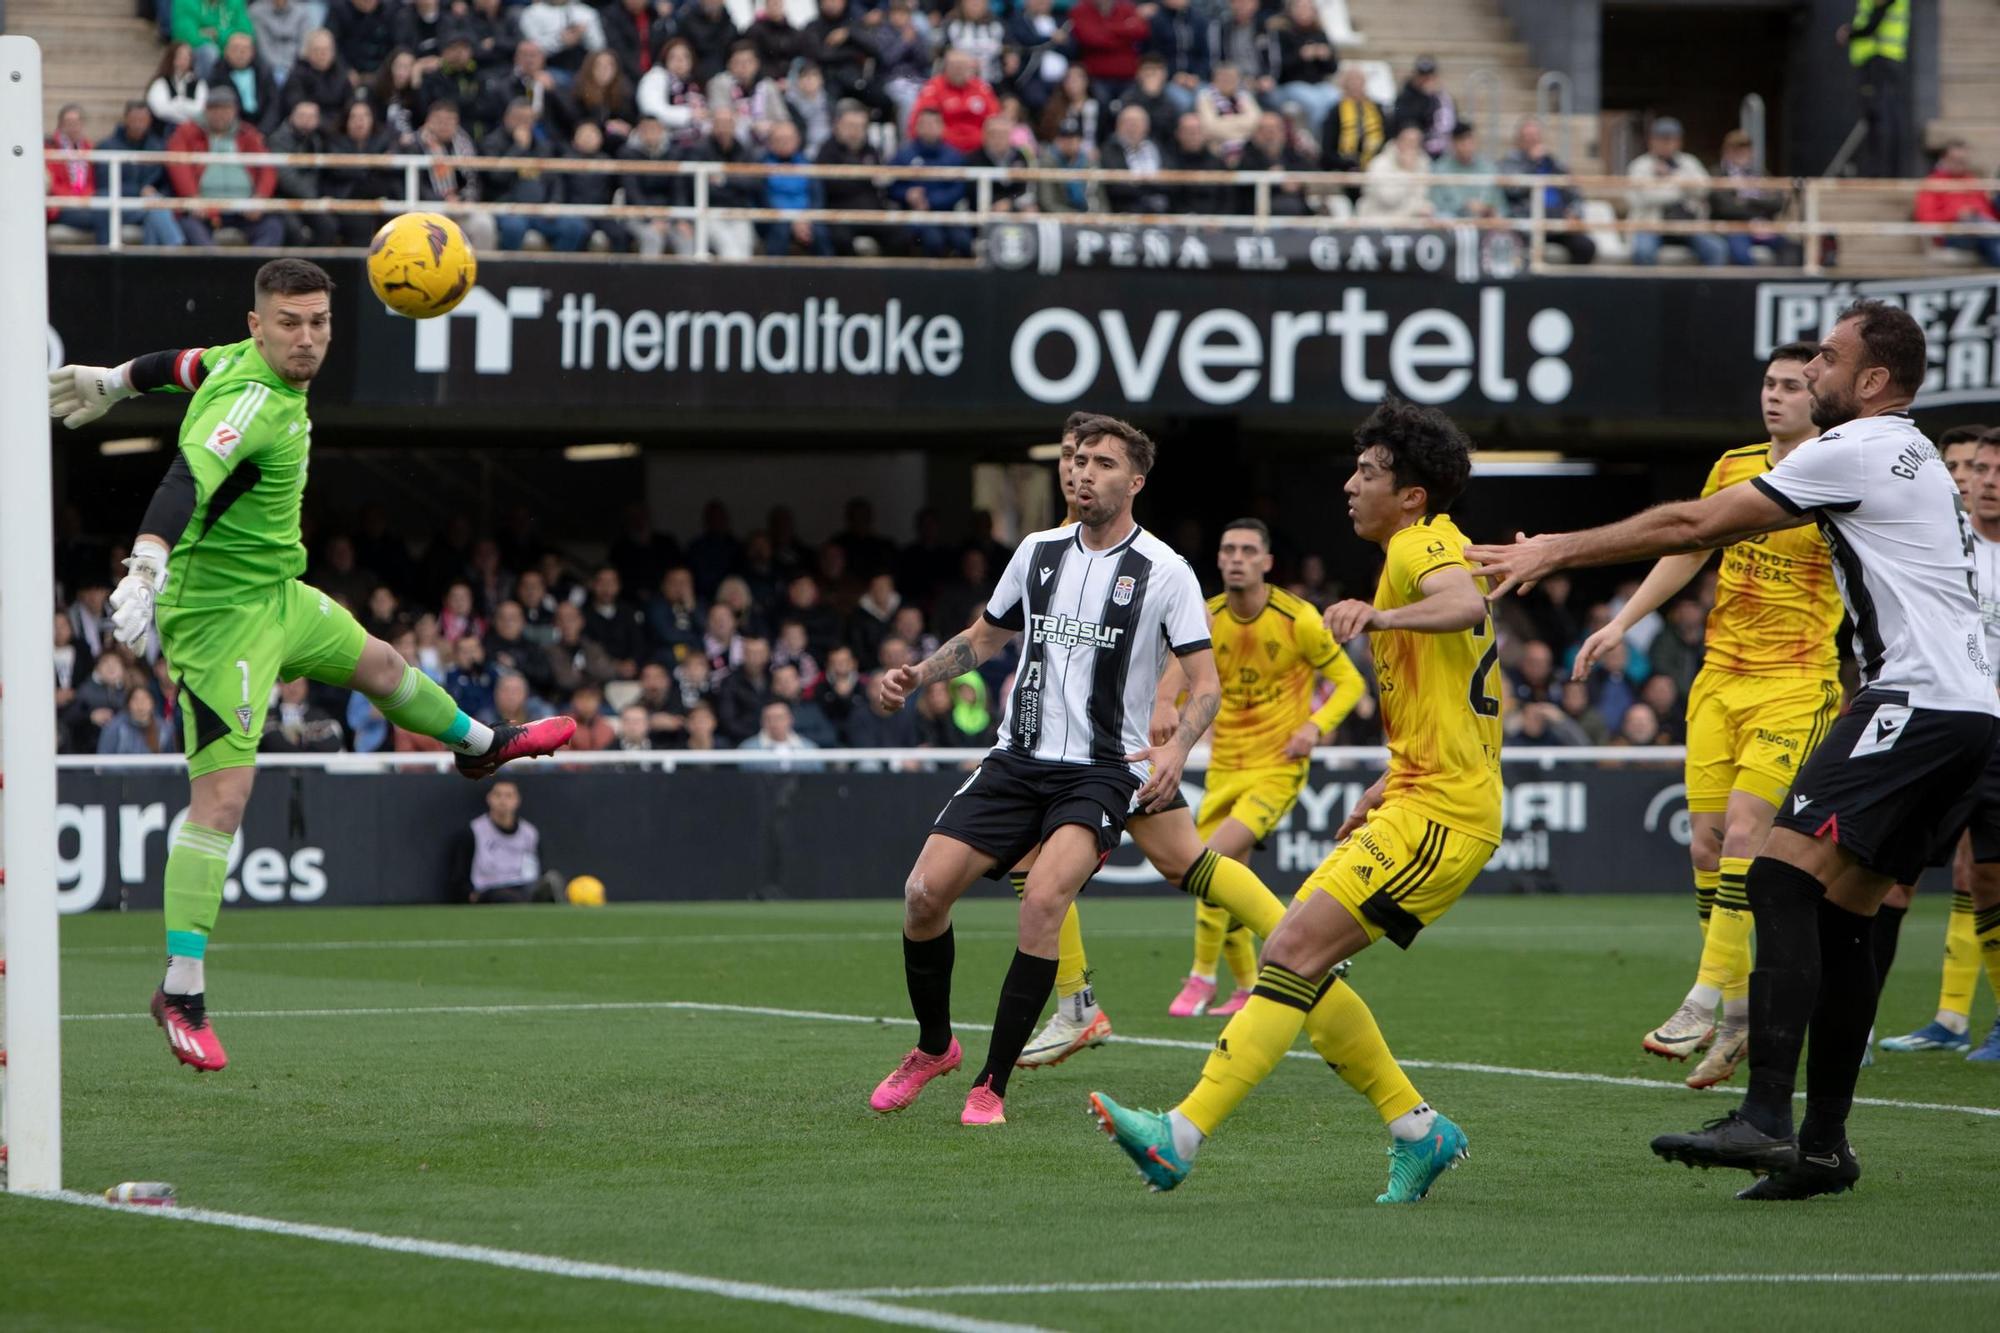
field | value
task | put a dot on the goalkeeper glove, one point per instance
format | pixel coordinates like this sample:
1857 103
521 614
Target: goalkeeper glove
132 599
82 394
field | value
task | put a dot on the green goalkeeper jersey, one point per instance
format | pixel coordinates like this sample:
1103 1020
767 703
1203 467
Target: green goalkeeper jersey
244 440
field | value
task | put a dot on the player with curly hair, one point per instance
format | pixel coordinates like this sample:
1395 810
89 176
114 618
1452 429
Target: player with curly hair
1410 846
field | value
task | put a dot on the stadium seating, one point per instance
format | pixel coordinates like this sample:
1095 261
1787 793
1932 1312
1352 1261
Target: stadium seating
94 53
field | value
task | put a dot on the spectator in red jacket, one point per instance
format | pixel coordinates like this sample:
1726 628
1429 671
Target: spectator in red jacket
220 130
1108 36
74 179
965 100
1960 199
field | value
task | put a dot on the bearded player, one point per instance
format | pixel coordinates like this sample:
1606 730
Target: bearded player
217 562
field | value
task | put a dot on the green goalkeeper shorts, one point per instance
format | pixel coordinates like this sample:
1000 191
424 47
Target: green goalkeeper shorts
227 658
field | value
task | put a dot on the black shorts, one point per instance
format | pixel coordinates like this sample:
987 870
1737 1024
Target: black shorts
1010 805
1977 813
1889 780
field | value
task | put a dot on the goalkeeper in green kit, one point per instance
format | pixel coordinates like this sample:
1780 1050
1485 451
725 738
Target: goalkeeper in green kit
217 561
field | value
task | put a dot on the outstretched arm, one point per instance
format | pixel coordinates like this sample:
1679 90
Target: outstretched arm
82 394
1730 514
1668 576
958 655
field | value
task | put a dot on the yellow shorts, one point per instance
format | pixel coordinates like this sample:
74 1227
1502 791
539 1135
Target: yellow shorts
1256 797
1751 734
1399 872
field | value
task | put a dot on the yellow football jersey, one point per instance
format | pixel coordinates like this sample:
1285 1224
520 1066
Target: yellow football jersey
1777 609
1440 693
1268 664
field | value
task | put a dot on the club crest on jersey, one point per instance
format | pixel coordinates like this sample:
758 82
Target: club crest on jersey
1121 591
222 441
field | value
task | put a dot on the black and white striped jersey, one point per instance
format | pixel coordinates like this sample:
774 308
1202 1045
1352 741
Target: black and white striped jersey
1097 628
1986 575
1903 556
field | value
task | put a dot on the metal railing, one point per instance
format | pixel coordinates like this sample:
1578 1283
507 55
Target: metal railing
1806 222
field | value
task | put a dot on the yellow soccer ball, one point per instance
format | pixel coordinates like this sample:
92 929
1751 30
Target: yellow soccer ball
421 265
585 891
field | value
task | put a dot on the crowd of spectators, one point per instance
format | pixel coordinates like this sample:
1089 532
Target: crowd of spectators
756 640
1167 85
1635 695
1955 194
1160 86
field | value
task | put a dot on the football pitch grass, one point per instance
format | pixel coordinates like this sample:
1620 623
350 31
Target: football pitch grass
656 1116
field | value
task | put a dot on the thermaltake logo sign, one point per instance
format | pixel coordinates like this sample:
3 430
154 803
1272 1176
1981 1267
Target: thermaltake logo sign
819 337
1960 319
493 329
1224 356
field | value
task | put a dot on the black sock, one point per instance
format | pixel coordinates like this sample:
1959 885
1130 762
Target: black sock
1022 996
1888 929
927 969
1784 986
1840 1023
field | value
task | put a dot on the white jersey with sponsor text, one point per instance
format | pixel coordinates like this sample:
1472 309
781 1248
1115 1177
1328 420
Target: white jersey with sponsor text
1902 555
1986 571
1097 627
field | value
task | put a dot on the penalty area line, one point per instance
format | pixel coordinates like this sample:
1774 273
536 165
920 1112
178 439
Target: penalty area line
1438 1281
820 1016
548 1265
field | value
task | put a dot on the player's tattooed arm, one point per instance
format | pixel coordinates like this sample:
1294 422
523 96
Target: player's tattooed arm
1167 759
960 654
1166 707
953 658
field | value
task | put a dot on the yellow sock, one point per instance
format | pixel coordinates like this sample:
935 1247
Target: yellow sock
1961 957
1987 938
1072 968
1209 925
1705 882
1251 1046
1241 953
1344 1033
1725 950
1235 888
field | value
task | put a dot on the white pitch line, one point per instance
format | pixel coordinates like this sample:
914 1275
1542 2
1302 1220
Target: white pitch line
548 1265
822 1016
1419 1281
560 942
785 937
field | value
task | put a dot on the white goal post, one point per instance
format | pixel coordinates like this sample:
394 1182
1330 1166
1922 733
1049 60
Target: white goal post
32 1126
